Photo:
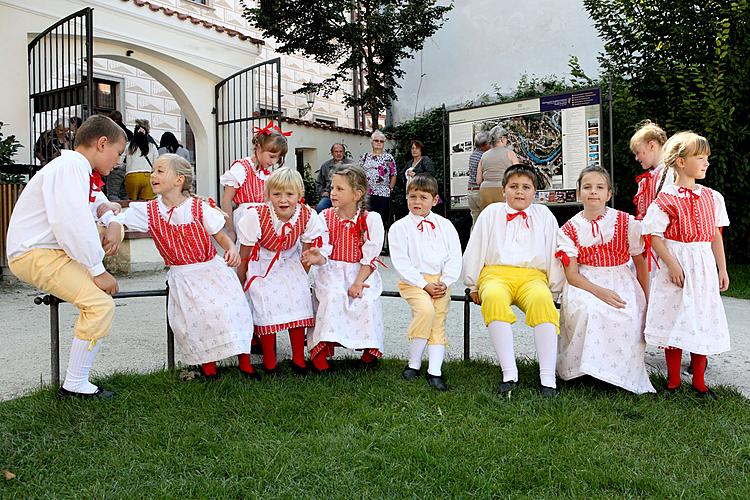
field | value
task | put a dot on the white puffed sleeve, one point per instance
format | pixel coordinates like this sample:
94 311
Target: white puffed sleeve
314 228
555 272
135 217
235 176
452 269
565 243
655 222
476 249
248 228
326 247
635 236
374 244
213 219
398 247
720 208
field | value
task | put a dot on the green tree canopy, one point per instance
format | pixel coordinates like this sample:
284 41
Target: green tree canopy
371 36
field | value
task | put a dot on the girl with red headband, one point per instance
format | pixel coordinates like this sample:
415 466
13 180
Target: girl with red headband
603 305
272 236
244 181
684 225
347 285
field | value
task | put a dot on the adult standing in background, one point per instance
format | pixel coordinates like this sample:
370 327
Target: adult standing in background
323 180
116 178
481 144
492 166
380 168
50 143
169 144
140 156
419 163
116 117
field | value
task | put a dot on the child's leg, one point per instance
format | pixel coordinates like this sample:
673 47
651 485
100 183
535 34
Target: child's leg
209 369
496 295
268 344
58 274
297 339
501 336
422 318
318 356
438 340
674 358
699 370
535 299
416 350
244 363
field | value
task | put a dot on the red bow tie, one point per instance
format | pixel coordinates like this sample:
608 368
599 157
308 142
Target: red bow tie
510 217
421 224
95 185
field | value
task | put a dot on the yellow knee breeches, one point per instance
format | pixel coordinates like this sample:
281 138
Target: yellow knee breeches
428 314
503 286
54 272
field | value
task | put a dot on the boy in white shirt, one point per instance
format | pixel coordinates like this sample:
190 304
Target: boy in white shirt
426 252
53 242
510 259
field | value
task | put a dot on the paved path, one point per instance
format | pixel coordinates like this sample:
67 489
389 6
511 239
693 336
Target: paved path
138 339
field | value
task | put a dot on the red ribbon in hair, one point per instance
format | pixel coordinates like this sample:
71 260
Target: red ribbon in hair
267 130
95 185
510 217
563 258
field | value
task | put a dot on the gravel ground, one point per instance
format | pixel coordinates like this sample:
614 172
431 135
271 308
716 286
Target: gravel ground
138 338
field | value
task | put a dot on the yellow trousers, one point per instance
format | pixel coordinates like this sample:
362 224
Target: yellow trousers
503 286
56 273
428 314
138 186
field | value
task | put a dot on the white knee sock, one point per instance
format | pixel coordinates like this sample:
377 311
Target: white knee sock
79 365
501 336
435 355
545 338
416 348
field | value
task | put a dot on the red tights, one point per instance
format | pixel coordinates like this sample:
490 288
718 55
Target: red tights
674 358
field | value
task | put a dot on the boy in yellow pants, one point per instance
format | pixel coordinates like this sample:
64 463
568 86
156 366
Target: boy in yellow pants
510 259
53 242
426 252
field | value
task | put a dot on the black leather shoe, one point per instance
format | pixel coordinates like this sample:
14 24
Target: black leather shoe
253 375
669 393
299 370
549 392
371 365
437 382
506 388
272 372
410 373
708 394
100 393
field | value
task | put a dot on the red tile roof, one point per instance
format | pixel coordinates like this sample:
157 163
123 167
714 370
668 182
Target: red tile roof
197 21
325 126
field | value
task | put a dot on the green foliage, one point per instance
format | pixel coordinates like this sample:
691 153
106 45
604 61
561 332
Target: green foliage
369 434
371 36
9 146
311 193
687 67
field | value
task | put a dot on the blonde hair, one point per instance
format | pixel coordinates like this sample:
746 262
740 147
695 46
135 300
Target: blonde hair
684 145
646 132
283 179
181 167
273 141
356 178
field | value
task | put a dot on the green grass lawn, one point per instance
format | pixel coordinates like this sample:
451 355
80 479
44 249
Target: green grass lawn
370 434
739 281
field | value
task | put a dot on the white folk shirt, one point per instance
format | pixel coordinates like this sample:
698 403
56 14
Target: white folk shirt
250 229
54 212
135 217
495 241
425 245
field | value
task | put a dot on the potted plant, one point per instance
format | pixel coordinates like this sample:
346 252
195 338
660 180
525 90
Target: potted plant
11 184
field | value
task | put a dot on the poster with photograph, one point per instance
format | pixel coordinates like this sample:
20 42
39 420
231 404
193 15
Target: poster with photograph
557 134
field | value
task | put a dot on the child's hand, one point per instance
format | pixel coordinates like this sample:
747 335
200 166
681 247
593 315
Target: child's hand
475 297
436 290
106 207
357 289
112 238
610 297
232 257
723 281
106 282
312 256
676 275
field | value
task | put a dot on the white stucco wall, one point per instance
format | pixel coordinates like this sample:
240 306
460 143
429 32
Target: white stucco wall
486 42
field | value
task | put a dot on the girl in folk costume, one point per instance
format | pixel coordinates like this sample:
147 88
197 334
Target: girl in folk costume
510 259
603 306
646 144
684 227
243 182
275 278
347 285
207 309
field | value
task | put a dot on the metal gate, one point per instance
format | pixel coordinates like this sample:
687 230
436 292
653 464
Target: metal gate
247 99
60 84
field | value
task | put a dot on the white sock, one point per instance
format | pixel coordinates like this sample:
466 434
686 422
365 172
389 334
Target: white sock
416 348
79 365
435 355
501 336
545 338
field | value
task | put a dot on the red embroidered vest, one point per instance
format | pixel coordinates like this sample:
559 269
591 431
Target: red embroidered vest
251 191
180 244
691 219
346 237
613 253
